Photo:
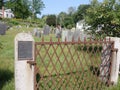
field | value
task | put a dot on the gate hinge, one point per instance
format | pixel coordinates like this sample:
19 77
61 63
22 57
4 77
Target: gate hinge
31 62
114 50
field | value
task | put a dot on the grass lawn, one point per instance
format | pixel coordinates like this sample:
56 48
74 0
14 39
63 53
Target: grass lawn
7 59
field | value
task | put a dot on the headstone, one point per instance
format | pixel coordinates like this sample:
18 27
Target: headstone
3 29
38 34
76 35
27 26
70 36
58 33
64 35
35 31
24 72
46 30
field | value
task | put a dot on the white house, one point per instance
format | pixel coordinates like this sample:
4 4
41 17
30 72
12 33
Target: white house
6 13
81 25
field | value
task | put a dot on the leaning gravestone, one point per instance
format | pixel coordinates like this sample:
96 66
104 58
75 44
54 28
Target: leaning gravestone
3 29
46 30
24 72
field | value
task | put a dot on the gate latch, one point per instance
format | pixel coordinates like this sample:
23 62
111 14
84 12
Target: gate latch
115 50
31 62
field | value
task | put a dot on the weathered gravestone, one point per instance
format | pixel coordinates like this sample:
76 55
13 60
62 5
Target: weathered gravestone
76 35
70 35
58 33
64 34
3 28
35 31
24 52
38 34
46 30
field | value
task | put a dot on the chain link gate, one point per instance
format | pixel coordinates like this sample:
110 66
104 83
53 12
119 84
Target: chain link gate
81 65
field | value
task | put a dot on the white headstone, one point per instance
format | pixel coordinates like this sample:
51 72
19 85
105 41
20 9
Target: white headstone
64 35
24 72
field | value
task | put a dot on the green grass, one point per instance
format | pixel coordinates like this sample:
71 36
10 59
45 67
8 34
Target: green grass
7 61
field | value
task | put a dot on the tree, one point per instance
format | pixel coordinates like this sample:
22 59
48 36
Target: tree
1 4
36 7
68 22
51 20
61 18
19 7
71 10
25 8
81 12
104 18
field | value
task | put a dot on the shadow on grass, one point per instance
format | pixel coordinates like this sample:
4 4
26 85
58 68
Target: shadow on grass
5 76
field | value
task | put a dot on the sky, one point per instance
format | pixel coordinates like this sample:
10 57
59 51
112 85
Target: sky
57 6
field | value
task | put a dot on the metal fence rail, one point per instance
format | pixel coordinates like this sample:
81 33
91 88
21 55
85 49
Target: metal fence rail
81 65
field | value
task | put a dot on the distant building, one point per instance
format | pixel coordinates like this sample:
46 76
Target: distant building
6 13
81 25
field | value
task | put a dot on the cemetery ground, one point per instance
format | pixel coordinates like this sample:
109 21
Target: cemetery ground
7 59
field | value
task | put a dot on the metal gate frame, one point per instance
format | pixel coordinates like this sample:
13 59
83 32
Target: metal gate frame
85 42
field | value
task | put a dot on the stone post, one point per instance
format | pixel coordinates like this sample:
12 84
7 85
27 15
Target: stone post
24 72
115 60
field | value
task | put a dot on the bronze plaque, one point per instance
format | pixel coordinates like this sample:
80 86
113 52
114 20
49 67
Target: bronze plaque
25 50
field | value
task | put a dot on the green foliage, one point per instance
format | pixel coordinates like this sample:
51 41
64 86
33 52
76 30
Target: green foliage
104 16
14 22
71 10
25 8
81 11
1 3
20 8
51 20
68 22
36 7
61 18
